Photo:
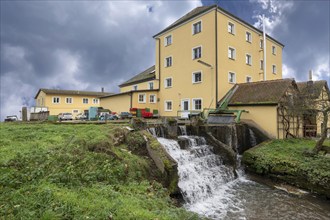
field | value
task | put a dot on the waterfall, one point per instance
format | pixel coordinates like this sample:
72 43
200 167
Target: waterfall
183 129
203 179
253 139
156 131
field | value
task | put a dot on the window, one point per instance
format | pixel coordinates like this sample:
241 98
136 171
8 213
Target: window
56 100
168 40
168 61
231 28
151 85
68 100
152 99
261 64
168 106
197 77
231 77
197 104
274 50
197 27
75 111
95 101
231 53
135 87
197 53
142 98
168 82
274 69
248 37
261 44
248 59
248 79
85 100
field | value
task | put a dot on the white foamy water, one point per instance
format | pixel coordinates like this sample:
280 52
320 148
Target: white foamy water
210 188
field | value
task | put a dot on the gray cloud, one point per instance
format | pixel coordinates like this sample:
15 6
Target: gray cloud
77 45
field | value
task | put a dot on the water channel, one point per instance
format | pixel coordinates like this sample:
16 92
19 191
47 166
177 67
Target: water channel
211 189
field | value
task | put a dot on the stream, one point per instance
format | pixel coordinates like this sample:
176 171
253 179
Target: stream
211 189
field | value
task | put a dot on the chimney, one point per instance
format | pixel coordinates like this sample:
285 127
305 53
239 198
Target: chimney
102 89
310 75
310 78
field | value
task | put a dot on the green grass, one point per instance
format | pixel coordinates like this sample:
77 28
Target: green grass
62 171
288 160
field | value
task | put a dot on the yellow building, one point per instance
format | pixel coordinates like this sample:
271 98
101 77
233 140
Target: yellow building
141 91
72 101
198 59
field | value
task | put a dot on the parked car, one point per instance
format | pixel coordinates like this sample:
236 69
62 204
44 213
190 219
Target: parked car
81 116
11 118
65 116
125 115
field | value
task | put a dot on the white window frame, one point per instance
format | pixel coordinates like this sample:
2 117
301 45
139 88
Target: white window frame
144 98
248 36
232 49
193 27
246 78
165 82
135 87
165 105
96 101
261 44
193 77
166 43
274 69
232 29
56 102
151 83
273 50
234 78
247 60
155 98
171 59
68 98
83 99
194 104
261 64
193 52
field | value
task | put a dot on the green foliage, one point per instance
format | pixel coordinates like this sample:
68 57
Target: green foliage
289 160
51 171
135 140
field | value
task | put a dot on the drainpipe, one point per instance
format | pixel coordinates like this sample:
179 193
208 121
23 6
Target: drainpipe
264 37
216 56
131 99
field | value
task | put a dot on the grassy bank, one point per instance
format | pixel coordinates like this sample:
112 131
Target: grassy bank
286 160
62 171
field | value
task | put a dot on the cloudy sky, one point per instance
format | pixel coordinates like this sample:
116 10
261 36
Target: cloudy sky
86 45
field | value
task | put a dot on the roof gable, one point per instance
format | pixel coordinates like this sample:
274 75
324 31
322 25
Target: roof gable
146 75
72 92
261 93
313 88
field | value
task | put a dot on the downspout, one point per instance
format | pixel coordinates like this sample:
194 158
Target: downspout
216 56
131 101
159 66
264 38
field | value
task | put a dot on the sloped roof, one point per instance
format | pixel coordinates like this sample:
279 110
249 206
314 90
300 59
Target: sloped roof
313 88
200 10
260 93
146 75
72 92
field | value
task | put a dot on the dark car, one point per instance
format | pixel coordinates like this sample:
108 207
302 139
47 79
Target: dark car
125 115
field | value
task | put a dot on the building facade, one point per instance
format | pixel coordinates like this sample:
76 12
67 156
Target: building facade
72 101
